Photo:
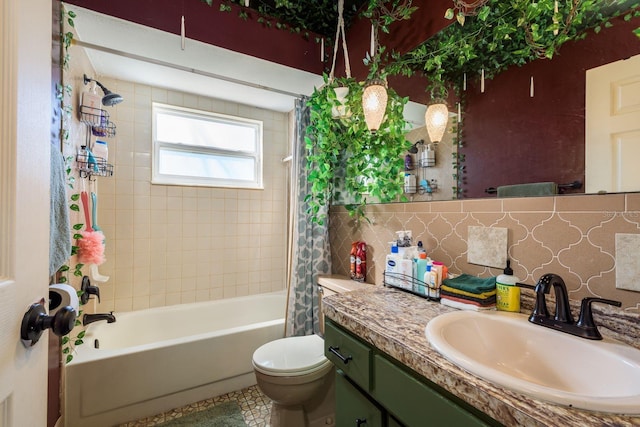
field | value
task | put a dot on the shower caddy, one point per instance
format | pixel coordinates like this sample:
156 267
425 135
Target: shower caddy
98 124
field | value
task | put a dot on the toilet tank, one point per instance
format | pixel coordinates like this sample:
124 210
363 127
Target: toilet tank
334 284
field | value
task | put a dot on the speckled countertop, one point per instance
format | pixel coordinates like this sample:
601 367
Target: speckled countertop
394 322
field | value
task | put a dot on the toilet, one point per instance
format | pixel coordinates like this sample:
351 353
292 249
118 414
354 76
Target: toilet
294 373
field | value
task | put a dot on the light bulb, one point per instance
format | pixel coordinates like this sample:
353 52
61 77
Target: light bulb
374 104
436 119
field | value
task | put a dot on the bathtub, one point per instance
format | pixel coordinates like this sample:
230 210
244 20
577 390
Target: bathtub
153 360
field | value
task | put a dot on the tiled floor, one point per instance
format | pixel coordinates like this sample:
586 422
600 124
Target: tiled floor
256 409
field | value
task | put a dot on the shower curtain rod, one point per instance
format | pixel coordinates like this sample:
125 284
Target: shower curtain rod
183 68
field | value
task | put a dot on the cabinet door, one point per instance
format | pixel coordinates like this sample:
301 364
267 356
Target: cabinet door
392 422
353 408
348 353
415 403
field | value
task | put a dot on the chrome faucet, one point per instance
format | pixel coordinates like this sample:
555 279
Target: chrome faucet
563 319
90 318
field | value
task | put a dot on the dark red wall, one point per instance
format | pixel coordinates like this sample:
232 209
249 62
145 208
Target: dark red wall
511 138
403 36
224 29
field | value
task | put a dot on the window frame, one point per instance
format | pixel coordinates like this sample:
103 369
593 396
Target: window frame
184 180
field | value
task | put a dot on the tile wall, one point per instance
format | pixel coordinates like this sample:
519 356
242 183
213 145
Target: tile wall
169 245
573 236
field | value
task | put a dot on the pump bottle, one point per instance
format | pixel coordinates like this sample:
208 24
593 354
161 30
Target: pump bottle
508 294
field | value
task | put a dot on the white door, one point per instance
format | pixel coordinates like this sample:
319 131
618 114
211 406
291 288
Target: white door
612 144
25 116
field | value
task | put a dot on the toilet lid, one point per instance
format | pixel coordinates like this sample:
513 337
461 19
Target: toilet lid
293 355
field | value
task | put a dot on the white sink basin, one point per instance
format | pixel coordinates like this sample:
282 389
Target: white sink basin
506 349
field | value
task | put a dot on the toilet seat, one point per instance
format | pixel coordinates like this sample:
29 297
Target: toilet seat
293 356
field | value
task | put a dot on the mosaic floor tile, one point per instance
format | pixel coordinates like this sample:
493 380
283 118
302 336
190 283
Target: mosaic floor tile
256 409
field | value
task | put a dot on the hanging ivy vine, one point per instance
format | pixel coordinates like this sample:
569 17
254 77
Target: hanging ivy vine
63 96
503 34
346 161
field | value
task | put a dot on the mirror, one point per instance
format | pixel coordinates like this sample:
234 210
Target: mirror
508 136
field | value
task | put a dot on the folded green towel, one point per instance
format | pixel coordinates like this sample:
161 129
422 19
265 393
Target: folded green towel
472 284
524 190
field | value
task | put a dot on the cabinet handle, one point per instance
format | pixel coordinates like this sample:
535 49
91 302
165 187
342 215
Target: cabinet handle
359 421
345 360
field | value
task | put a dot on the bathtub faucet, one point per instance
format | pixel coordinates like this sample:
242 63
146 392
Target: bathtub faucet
90 318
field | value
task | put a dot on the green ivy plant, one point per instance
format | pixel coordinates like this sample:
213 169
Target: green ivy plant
67 37
346 162
63 95
503 34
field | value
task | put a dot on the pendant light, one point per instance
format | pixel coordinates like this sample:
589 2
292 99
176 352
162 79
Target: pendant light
436 119
374 103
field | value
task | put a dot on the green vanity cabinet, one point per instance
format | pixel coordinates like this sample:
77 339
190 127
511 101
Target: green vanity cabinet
356 408
377 384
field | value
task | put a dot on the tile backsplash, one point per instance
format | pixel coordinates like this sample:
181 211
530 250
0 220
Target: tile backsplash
572 235
487 246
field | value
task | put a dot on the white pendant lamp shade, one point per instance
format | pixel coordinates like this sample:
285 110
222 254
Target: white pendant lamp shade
436 119
374 104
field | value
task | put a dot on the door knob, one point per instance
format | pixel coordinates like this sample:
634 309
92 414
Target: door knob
36 321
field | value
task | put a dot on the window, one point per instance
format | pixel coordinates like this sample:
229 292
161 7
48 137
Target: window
192 147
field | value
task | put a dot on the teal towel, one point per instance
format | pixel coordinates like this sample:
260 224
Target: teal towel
525 190
59 227
472 284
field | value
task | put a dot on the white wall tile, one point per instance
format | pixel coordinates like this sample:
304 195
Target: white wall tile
171 244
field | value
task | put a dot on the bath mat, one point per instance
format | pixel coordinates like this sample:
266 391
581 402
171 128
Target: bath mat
224 414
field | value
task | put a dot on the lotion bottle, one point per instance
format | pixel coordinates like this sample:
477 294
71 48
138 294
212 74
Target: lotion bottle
392 267
421 269
508 294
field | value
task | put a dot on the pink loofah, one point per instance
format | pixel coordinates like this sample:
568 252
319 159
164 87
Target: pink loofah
90 247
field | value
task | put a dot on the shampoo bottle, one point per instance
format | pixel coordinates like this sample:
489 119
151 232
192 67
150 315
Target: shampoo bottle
508 294
421 269
406 273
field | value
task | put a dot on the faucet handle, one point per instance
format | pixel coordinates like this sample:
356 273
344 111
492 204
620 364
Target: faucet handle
585 321
87 290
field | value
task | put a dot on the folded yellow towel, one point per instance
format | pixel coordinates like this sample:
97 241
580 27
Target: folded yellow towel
481 295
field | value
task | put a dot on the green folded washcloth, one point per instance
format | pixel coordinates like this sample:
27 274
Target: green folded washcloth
473 284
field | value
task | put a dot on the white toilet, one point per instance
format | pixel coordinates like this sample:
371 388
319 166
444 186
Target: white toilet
294 373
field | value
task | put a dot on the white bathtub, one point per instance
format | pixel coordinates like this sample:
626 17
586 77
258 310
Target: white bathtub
153 360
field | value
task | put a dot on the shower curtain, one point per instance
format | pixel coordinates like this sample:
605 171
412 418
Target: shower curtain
310 253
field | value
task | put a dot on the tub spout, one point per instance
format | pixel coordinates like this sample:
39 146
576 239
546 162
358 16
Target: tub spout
90 318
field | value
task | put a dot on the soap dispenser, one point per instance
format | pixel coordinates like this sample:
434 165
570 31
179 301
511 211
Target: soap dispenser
508 294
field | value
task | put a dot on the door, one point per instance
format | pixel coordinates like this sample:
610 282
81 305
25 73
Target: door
25 114
612 144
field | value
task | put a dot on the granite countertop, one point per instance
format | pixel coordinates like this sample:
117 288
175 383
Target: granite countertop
394 322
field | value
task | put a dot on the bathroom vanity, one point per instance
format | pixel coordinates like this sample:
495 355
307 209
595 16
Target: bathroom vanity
394 377
373 388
